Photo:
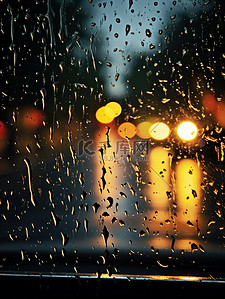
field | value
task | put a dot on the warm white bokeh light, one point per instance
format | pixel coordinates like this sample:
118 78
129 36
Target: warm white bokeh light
159 131
187 130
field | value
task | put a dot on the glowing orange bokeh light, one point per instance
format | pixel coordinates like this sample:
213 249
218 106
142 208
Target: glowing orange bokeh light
127 130
210 103
220 114
33 118
188 190
2 130
217 109
105 115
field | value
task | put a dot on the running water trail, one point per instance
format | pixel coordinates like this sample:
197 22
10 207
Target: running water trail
32 198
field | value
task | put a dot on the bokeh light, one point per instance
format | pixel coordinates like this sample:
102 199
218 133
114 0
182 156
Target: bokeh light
116 108
159 131
127 130
32 118
105 115
188 188
220 114
217 109
143 130
187 130
2 130
210 103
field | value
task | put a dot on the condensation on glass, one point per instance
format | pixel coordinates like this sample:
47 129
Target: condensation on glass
112 140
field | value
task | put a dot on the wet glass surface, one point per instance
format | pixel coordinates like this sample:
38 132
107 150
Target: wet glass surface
112 123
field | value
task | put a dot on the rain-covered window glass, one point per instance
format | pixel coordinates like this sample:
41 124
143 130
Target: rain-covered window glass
112 119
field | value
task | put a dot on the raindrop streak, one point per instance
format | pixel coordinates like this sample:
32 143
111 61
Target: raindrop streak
172 243
27 233
211 221
22 255
123 194
130 3
103 177
32 198
105 235
162 265
49 16
73 154
77 225
107 135
92 54
55 218
50 193
81 179
86 225
63 28
12 24
117 76
65 239
70 114
136 206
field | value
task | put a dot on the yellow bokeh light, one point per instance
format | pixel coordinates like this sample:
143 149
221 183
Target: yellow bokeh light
187 130
159 131
105 115
127 130
143 130
188 190
116 108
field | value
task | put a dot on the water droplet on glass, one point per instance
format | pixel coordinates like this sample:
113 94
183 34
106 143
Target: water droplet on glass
65 239
86 225
142 233
29 173
194 247
148 33
56 219
127 30
95 207
110 200
105 235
